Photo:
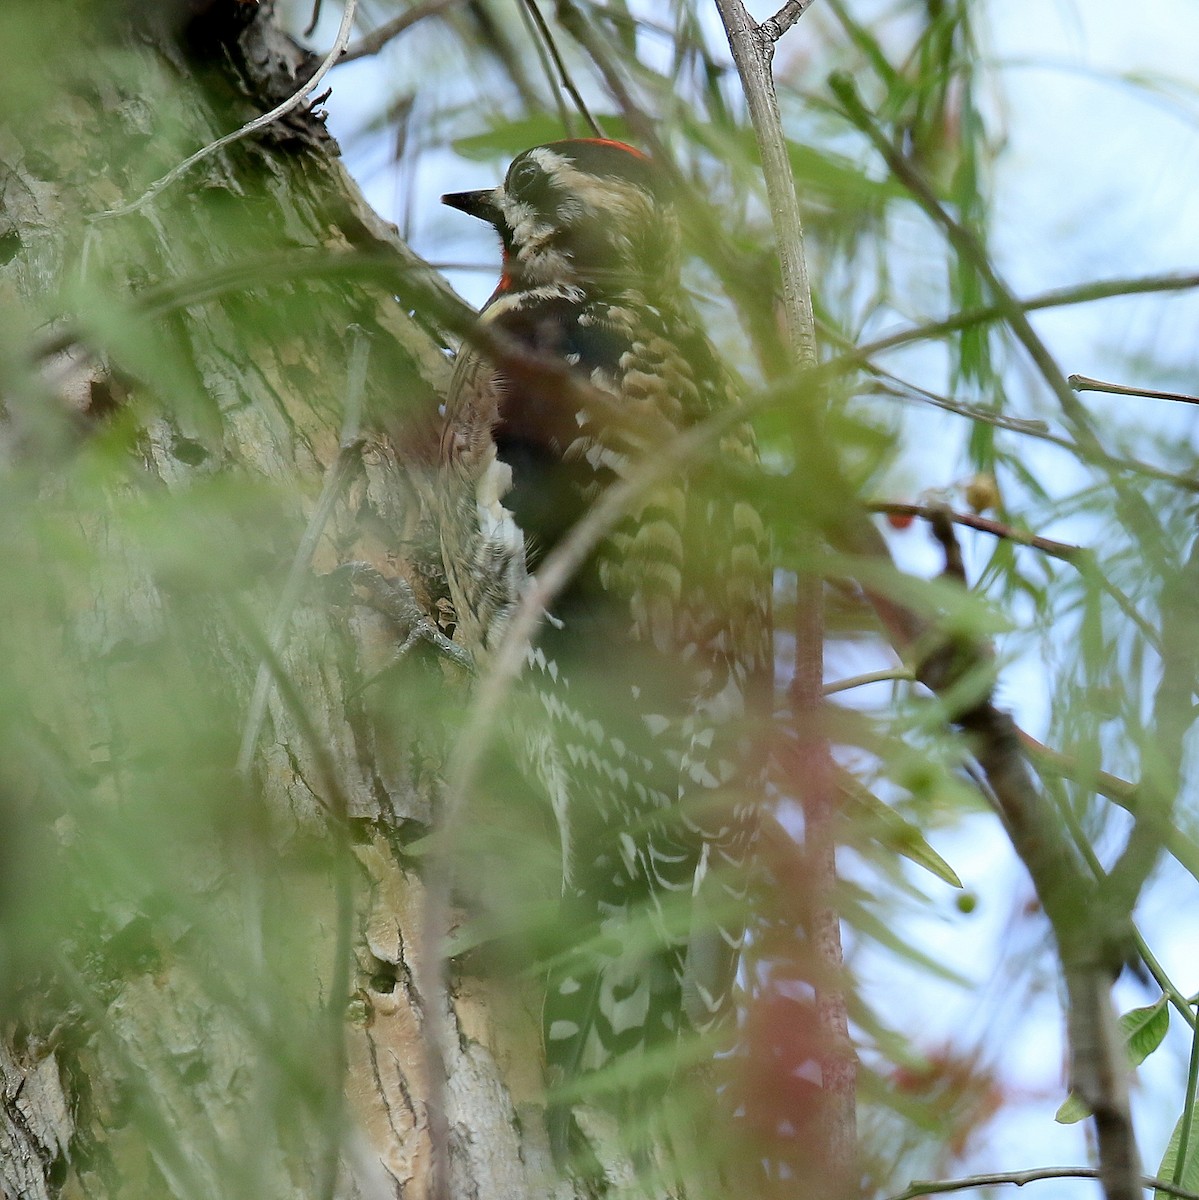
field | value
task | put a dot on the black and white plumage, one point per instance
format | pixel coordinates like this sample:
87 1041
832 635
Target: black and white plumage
657 656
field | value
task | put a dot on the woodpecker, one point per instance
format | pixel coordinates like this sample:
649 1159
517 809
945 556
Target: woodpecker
653 663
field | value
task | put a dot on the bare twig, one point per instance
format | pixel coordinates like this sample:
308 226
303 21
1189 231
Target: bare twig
1062 550
1078 556
547 69
373 42
892 675
280 110
774 27
890 384
752 52
551 46
1121 791
903 390
310 28
1082 383
1057 298
928 1187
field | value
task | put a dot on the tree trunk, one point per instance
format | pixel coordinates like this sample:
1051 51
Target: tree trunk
194 957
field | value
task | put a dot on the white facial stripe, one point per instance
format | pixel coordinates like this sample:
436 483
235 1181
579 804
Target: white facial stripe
620 206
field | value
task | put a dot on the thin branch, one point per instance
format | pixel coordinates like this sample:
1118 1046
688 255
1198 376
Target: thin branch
774 27
970 250
1081 383
374 41
862 355
1119 791
894 674
547 69
1084 293
1062 550
1087 946
926 1187
752 53
901 389
551 45
586 34
310 28
890 384
1079 557
1182 1005
280 110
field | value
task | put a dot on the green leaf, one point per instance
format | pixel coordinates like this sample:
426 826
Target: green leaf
838 176
1143 1029
1188 1177
900 834
1072 1110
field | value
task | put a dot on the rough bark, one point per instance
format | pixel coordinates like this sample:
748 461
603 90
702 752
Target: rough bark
174 1018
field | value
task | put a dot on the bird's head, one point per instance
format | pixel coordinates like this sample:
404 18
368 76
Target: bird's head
587 212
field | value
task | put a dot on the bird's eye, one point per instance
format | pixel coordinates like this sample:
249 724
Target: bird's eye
527 181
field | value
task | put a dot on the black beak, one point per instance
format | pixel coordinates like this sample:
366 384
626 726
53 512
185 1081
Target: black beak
477 204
